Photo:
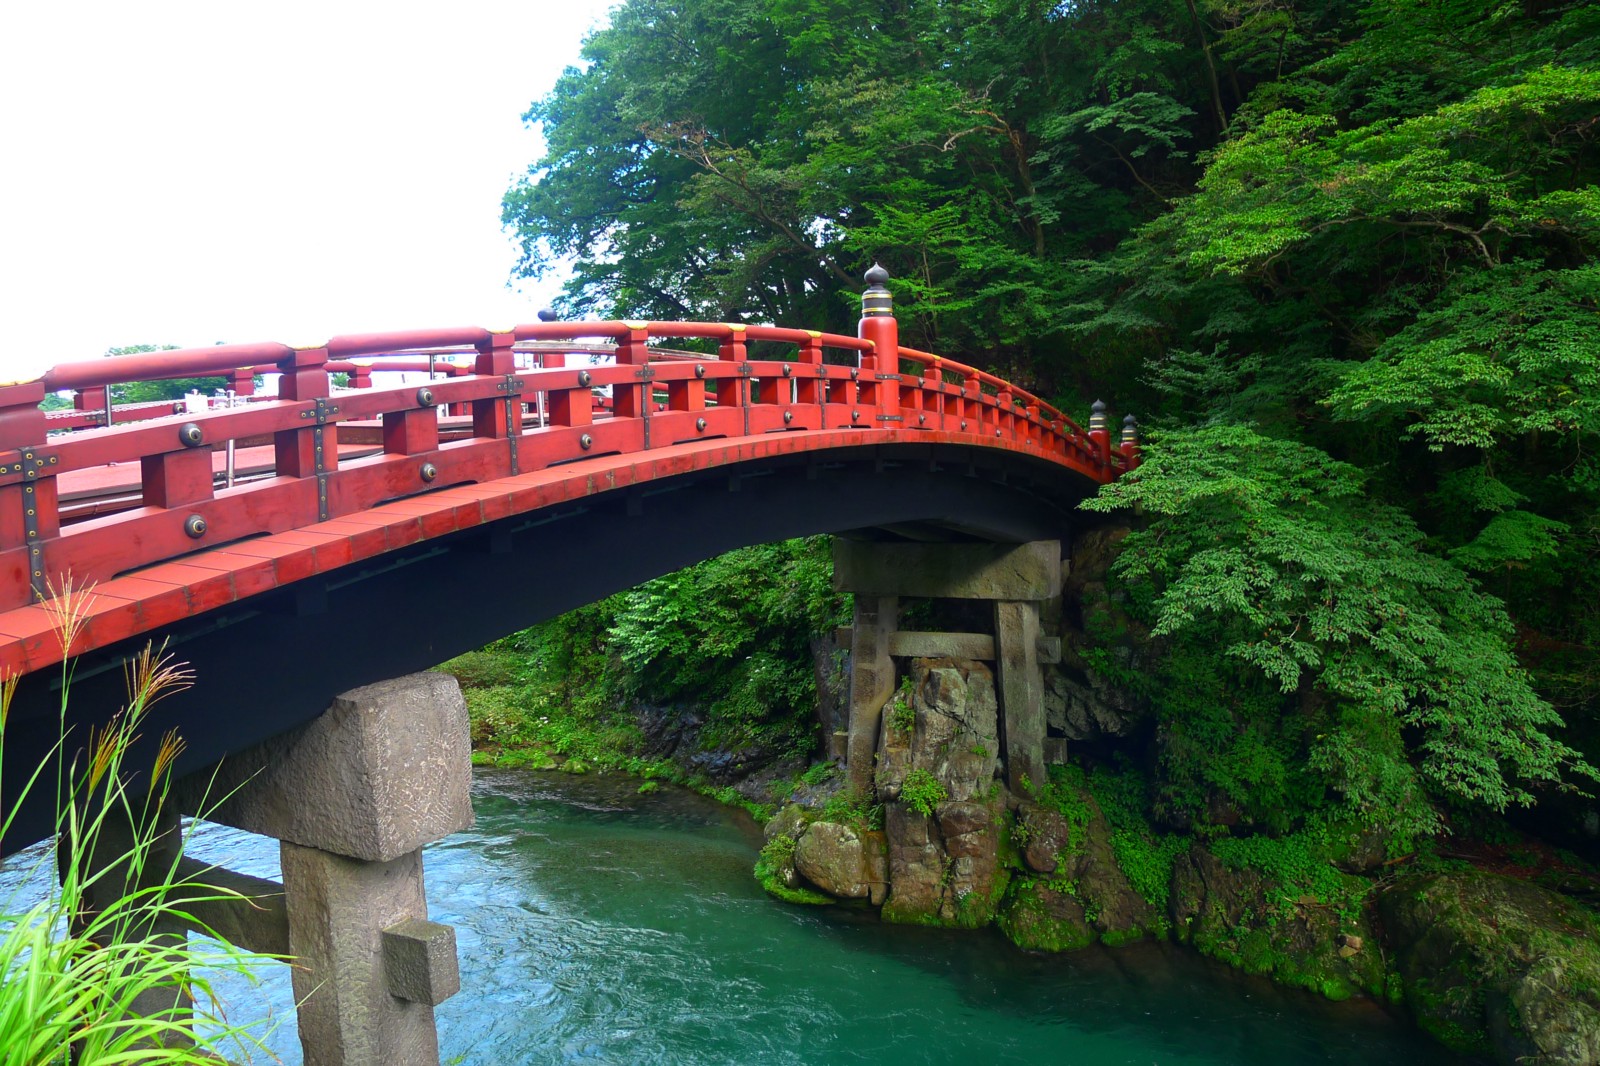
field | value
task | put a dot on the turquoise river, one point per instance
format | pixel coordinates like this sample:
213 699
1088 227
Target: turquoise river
598 925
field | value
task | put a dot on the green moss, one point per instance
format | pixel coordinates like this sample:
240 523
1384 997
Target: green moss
775 856
1029 922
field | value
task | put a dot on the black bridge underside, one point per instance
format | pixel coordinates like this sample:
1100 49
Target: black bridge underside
275 661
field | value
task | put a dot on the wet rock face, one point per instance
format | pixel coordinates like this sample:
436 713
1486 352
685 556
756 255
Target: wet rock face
1493 964
1084 706
1219 909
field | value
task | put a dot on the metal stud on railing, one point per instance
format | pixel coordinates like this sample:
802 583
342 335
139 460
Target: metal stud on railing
788 416
428 471
191 435
586 442
699 370
583 377
195 526
424 397
787 370
700 424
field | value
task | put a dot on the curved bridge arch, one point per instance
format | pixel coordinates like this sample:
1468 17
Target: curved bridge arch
325 573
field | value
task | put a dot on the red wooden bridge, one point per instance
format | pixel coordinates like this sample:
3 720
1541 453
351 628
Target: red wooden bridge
291 547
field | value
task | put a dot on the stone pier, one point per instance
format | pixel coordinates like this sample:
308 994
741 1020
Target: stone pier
352 797
1016 578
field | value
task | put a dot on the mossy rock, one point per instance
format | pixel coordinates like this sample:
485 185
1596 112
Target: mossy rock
1490 963
1246 918
1041 918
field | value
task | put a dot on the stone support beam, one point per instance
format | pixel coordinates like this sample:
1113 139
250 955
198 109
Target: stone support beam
942 645
259 921
386 769
871 683
949 571
1016 627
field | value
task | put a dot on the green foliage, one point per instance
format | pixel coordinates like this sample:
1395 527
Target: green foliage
1269 550
734 633
857 811
1065 794
1300 864
922 792
1341 255
1145 855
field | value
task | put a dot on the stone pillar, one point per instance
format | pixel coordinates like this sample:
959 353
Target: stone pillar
352 797
871 683
1016 627
1016 578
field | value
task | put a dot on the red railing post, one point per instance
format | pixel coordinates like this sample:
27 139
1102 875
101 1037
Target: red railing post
971 403
732 391
809 389
313 450
491 417
633 399
28 511
880 371
1130 442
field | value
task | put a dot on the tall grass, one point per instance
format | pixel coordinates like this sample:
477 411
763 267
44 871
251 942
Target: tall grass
96 970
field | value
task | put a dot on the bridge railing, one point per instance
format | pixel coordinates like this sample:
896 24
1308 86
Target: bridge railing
518 420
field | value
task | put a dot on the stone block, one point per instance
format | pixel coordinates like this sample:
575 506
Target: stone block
955 571
942 645
384 770
419 961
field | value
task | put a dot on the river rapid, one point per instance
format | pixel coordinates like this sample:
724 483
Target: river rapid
598 925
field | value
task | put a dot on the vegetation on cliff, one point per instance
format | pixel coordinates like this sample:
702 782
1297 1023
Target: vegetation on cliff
1340 256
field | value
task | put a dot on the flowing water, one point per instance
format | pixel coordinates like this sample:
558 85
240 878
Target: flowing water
597 925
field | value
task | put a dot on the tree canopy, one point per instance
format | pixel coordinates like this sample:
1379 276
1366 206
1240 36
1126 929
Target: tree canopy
1340 255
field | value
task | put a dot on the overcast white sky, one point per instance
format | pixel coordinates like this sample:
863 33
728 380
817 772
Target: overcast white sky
191 172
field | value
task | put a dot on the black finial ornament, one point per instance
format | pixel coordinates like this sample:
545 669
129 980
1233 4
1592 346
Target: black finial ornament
1097 416
547 315
876 301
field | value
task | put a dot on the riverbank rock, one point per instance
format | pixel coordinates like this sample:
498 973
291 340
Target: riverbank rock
947 725
1084 895
843 862
941 733
943 867
1489 963
1247 918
